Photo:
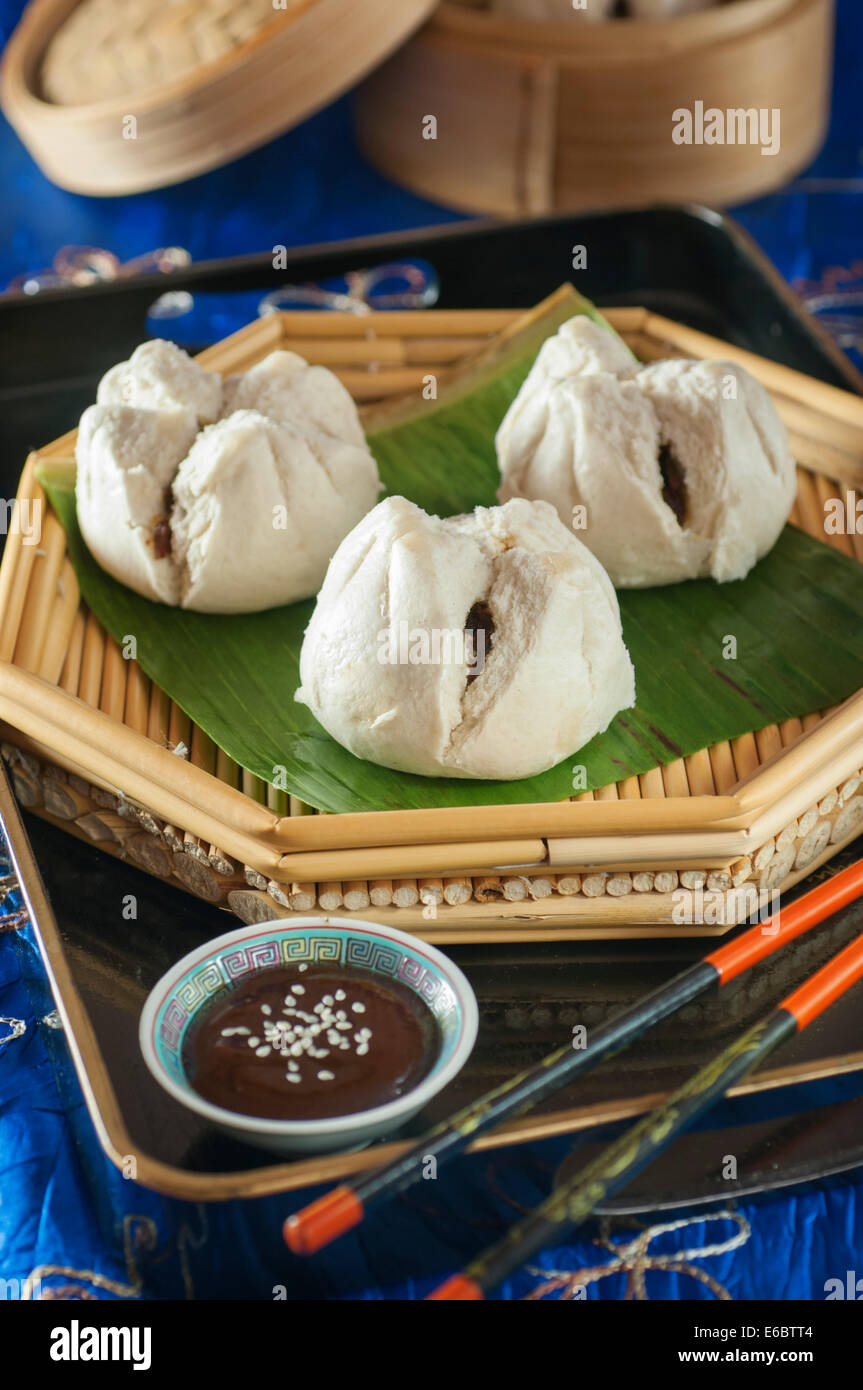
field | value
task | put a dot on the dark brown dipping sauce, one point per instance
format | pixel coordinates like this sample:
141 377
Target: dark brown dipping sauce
673 483
478 620
371 1070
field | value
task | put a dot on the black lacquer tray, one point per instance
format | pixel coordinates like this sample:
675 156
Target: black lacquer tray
801 1118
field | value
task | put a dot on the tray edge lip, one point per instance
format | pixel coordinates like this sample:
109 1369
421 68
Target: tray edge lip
464 229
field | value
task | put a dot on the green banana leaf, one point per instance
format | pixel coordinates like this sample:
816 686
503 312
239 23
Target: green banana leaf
796 620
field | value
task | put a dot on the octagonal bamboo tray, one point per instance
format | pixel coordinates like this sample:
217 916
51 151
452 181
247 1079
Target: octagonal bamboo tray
95 747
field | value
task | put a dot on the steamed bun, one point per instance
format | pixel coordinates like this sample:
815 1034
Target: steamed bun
679 470
386 669
161 376
221 497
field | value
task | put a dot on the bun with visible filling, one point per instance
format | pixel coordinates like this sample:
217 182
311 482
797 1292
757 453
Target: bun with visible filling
386 667
221 497
679 470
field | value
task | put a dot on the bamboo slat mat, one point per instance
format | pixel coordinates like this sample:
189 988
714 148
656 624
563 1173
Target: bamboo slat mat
439 890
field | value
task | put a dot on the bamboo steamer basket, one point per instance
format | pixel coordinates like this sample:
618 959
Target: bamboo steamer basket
208 80
98 749
542 117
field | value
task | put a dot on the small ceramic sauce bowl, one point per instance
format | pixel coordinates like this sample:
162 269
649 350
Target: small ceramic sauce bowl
208 973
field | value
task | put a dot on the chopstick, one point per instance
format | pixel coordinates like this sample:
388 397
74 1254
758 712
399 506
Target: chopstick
338 1211
572 1202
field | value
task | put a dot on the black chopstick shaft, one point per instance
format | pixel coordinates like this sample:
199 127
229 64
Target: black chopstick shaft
524 1091
571 1205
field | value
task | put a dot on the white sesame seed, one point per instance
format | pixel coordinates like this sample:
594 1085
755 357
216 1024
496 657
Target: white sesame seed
300 989
340 994
303 967
263 1051
362 1049
265 1009
254 1042
358 1008
290 1001
231 1032
294 1076
296 1049
326 1076
293 1066
328 1000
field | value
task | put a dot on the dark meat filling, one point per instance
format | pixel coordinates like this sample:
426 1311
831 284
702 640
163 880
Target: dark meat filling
673 483
477 648
162 528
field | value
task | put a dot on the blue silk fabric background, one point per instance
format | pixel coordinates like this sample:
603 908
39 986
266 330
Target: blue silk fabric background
64 1210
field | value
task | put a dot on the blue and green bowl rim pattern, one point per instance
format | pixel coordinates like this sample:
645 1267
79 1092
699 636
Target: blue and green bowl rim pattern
194 981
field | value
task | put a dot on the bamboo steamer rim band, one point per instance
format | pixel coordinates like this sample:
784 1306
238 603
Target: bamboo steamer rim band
576 44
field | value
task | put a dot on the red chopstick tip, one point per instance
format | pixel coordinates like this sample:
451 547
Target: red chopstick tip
458 1289
323 1221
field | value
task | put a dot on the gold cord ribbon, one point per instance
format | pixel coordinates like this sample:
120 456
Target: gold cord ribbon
17 1029
140 1235
634 1260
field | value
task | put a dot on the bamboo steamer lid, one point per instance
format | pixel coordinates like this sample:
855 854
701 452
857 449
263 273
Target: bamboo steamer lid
119 98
